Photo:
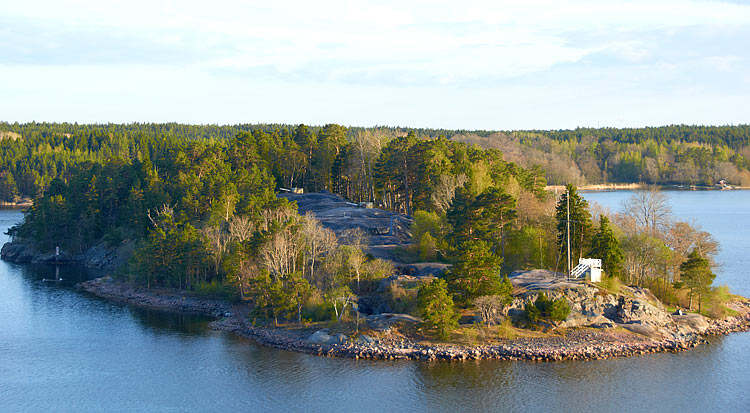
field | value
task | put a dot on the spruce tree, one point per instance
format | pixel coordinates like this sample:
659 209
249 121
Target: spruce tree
606 247
436 307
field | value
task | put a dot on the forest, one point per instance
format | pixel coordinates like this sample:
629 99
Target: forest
199 205
33 154
668 155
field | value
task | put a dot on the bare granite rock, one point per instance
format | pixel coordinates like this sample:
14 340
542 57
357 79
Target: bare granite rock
336 213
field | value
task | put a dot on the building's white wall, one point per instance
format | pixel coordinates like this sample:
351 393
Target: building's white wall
596 274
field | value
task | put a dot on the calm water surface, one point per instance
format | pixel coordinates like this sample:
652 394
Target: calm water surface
63 350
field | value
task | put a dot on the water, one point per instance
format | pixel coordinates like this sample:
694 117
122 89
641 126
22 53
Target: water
63 350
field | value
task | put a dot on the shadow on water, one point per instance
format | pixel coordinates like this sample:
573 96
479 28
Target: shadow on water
170 321
64 275
44 278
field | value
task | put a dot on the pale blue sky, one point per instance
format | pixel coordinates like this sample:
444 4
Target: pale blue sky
470 64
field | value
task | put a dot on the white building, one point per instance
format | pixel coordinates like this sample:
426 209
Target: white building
591 265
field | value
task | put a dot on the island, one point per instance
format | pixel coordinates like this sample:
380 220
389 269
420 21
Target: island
378 246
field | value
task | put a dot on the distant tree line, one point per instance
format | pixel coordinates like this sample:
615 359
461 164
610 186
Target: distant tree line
678 154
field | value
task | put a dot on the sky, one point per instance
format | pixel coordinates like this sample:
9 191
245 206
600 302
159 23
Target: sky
493 65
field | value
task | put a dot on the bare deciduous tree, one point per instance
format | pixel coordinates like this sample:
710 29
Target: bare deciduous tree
650 209
218 240
163 211
240 228
367 146
355 259
282 215
342 296
320 241
489 308
682 238
279 254
445 190
356 237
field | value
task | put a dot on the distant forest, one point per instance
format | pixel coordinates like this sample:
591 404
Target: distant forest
32 155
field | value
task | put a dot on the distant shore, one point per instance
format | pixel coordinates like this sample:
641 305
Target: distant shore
598 187
23 203
637 186
578 344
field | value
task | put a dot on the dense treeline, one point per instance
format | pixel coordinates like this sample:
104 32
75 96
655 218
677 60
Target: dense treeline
686 155
344 160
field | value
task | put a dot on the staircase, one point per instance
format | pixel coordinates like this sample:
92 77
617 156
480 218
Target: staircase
588 264
579 270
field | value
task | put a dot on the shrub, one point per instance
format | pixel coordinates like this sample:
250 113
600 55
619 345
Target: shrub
543 304
611 284
402 300
470 335
378 269
714 303
544 308
559 310
217 290
531 313
489 307
322 311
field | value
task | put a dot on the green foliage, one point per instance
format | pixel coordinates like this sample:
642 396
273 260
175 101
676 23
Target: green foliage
580 224
318 312
426 222
531 313
217 290
8 188
436 308
428 250
177 191
173 255
544 308
714 302
529 248
606 247
427 232
697 276
559 310
476 272
611 284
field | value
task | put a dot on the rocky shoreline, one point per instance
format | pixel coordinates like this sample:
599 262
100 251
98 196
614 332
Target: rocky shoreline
160 299
98 256
578 344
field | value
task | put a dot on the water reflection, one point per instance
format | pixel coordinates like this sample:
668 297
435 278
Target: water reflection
170 321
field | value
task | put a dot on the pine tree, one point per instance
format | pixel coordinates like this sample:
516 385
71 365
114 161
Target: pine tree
8 189
580 223
436 307
476 272
496 212
697 276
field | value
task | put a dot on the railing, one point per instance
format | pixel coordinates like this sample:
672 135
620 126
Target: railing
579 270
